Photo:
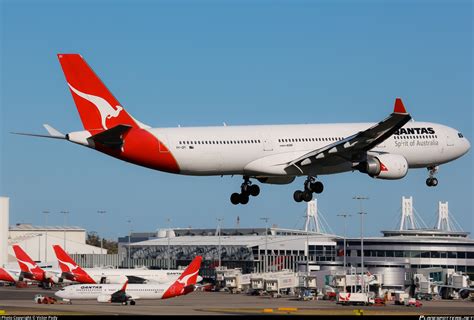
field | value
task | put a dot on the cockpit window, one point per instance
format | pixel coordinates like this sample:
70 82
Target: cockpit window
460 135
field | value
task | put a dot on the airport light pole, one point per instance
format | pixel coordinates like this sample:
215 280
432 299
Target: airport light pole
219 226
362 213
39 246
345 215
307 254
45 235
101 238
168 235
129 236
65 223
266 243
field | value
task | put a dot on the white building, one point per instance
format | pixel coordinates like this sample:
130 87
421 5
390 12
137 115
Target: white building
37 241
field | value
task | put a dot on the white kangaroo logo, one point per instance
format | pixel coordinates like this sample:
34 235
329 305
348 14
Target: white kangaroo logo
185 279
69 265
105 109
28 265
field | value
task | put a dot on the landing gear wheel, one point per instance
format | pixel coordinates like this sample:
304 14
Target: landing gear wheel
298 195
307 196
310 186
244 199
432 181
132 303
235 198
247 189
317 187
254 190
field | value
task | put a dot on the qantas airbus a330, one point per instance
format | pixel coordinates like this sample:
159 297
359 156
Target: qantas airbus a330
274 154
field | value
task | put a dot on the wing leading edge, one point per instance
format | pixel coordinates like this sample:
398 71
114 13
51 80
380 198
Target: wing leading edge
354 147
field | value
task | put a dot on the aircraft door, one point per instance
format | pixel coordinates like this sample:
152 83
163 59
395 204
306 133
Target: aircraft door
449 140
267 142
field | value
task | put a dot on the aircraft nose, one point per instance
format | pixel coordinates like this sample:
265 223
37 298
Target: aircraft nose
59 293
467 145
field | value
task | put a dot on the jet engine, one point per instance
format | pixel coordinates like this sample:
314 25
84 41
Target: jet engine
385 166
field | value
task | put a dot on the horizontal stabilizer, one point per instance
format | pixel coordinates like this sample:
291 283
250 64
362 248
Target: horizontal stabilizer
53 132
112 138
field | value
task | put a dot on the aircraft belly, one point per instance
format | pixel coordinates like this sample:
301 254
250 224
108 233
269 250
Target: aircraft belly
193 162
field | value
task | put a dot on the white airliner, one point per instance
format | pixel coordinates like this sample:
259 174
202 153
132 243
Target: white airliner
73 272
9 275
273 154
117 293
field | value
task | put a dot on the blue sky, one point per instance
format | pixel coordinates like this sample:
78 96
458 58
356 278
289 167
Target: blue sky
242 62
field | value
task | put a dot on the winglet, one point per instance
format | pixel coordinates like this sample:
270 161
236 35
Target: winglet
399 107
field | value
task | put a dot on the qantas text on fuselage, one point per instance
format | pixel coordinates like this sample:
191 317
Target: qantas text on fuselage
274 154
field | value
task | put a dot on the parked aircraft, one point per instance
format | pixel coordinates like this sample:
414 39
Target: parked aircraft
8 275
124 293
72 271
30 270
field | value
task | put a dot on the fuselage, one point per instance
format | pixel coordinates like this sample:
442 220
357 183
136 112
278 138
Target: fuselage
93 291
265 150
103 275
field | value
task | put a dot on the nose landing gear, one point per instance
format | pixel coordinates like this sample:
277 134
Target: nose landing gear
310 186
432 181
247 189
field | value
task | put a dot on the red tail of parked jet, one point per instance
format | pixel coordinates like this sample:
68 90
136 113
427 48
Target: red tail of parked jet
28 267
70 269
186 282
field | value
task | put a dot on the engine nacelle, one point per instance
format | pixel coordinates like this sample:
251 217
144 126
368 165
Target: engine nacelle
276 180
104 298
52 277
386 166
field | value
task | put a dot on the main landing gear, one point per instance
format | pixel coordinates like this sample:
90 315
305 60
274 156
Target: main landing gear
247 189
432 181
310 186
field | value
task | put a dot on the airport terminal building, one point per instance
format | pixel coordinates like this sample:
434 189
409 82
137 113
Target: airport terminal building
396 253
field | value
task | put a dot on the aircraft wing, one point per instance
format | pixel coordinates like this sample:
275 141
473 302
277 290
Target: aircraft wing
353 147
135 279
